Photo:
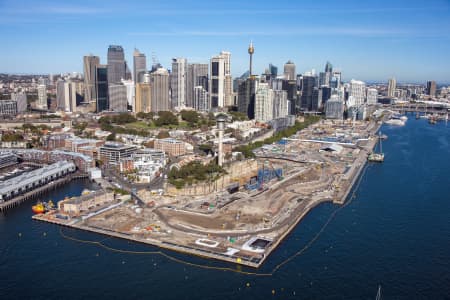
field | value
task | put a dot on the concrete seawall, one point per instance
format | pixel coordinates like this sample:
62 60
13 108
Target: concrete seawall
153 242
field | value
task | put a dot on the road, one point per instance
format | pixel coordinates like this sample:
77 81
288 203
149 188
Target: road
155 184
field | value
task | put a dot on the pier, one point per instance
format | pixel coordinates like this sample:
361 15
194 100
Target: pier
39 191
423 108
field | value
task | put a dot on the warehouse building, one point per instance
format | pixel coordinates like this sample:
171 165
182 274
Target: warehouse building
36 178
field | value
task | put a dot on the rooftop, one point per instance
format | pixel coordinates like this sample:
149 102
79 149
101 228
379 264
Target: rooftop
118 146
29 177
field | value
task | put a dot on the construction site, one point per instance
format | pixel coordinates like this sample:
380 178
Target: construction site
245 219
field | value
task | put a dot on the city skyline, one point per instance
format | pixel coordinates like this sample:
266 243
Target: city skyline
349 35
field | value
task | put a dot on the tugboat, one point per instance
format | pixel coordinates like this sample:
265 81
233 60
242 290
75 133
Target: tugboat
39 208
42 207
377 157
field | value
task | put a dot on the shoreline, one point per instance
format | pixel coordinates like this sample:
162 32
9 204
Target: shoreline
254 262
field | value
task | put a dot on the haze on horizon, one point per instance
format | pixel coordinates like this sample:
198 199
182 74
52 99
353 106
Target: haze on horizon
409 40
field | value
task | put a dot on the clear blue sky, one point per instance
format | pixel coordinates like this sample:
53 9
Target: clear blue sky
367 40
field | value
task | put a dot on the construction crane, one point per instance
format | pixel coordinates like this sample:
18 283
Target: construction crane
278 175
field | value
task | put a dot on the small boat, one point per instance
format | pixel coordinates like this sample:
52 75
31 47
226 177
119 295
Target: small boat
396 122
49 205
39 208
377 157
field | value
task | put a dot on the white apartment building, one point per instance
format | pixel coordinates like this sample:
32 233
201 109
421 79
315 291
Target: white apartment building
263 103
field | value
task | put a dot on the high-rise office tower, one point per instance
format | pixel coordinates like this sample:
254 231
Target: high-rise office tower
325 92
159 81
392 85
229 96
290 86
273 70
117 97
217 81
263 103
221 81
66 96
101 88
251 50
143 98
128 75
90 64
131 92
246 96
42 97
372 96
431 88
316 99
324 78
201 99
280 104
356 93
308 84
277 84
178 82
336 80
328 67
289 71
146 77
116 64
228 80
139 66
196 75
11 107
266 76
334 108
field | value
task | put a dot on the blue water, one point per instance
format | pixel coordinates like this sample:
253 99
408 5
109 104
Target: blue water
395 232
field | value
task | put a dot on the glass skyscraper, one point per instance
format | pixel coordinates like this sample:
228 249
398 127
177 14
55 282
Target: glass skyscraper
101 85
116 64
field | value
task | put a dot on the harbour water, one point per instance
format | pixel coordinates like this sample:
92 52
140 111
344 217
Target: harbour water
394 233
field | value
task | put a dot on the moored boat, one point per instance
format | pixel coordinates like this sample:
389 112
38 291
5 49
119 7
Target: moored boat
377 156
39 208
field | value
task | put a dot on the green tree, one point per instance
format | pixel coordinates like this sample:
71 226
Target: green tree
194 172
111 137
143 115
190 116
123 118
238 116
207 148
79 127
166 118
